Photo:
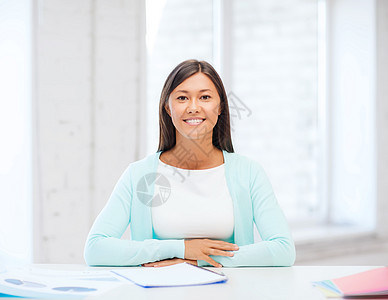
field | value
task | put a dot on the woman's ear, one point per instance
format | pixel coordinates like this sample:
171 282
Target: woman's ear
167 109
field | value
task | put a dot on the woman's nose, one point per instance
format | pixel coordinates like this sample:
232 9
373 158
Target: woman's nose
193 106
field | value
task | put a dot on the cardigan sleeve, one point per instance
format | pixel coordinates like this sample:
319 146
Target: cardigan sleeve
277 247
104 246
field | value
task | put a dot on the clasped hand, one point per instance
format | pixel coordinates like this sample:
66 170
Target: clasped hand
200 249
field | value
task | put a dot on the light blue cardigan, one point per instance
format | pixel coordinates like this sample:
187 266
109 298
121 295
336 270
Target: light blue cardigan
253 202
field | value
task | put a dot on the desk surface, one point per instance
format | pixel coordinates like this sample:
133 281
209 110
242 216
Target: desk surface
244 283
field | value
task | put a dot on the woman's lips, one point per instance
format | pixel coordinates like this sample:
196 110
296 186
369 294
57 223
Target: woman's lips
194 121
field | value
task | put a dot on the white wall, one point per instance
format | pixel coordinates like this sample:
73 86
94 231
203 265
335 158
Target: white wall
86 116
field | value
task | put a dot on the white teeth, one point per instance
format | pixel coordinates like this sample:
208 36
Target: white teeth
194 121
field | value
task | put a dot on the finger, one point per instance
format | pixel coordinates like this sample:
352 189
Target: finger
148 265
160 265
212 262
222 245
193 262
165 263
220 253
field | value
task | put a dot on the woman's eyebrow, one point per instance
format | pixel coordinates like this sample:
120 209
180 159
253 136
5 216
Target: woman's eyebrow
201 91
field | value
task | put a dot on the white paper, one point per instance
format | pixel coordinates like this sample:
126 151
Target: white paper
56 284
176 275
100 275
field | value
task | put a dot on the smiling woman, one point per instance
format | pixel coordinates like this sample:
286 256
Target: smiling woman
194 200
194 112
196 107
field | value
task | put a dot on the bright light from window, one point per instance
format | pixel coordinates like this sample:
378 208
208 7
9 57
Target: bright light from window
15 130
154 12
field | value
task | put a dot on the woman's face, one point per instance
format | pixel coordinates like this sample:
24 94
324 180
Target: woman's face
194 106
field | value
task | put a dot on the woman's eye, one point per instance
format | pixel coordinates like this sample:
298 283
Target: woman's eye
205 97
182 98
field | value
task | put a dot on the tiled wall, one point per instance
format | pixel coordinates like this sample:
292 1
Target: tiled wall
86 118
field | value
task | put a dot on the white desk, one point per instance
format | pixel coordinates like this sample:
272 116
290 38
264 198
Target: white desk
243 283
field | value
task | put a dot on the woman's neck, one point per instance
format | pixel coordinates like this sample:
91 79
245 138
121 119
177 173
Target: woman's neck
193 154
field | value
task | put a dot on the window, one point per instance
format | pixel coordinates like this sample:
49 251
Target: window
351 113
274 73
15 133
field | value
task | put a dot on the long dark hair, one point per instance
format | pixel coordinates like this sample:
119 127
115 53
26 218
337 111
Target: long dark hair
221 131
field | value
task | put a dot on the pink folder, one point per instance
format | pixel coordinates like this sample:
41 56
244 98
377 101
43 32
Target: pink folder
372 282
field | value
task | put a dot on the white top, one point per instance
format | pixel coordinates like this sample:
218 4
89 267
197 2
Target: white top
199 205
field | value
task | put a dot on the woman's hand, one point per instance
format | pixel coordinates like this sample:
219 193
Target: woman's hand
169 262
197 249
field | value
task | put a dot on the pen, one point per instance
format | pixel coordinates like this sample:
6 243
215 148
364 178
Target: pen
218 273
